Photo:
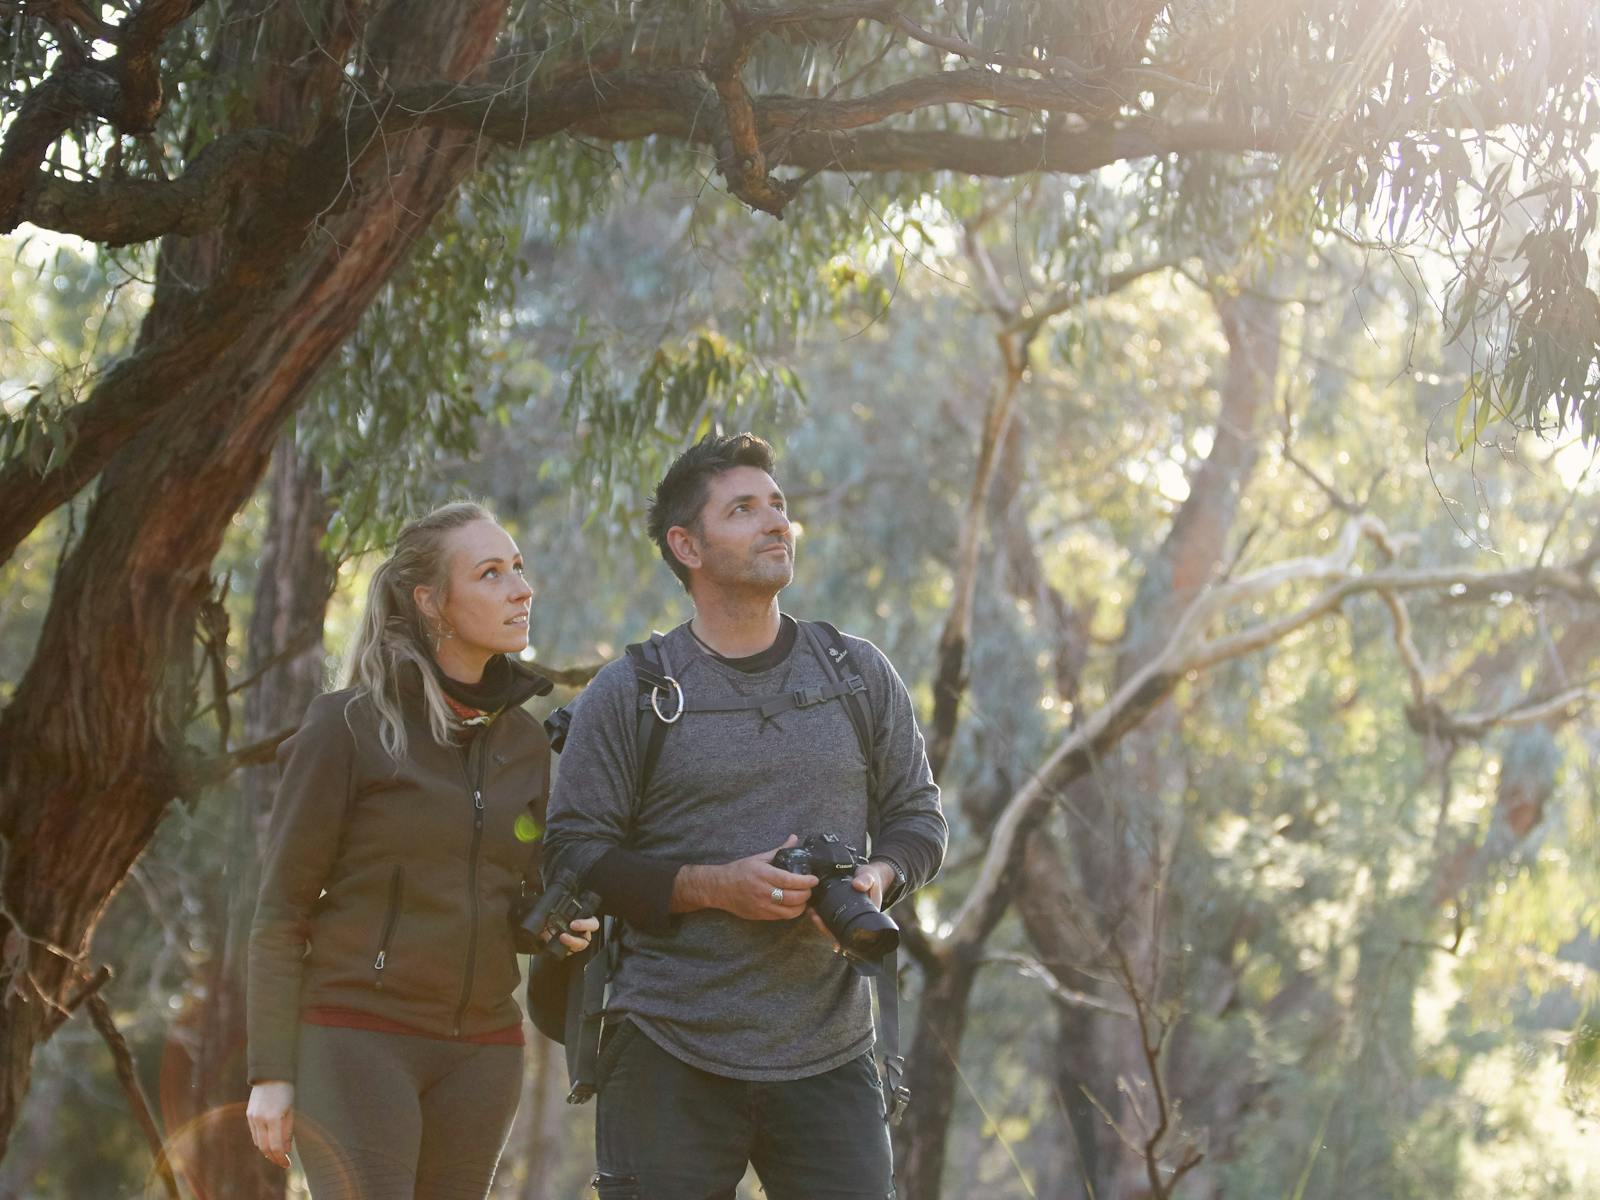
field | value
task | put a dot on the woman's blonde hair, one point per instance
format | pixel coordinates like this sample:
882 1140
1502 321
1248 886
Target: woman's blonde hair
394 631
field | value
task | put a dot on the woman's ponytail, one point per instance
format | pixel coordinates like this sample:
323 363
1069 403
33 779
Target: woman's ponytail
394 631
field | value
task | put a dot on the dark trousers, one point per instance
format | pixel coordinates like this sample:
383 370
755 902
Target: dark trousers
667 1131
387 1116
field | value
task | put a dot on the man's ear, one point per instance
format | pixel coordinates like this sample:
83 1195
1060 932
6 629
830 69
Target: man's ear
684 546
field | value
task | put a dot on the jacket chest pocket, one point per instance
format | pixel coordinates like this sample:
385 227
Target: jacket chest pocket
391 923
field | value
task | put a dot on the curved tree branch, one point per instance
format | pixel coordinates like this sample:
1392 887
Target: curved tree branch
124 91
1189 650
120 212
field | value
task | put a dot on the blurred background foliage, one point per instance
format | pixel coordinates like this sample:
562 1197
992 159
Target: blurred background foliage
1433 1049
1345 1023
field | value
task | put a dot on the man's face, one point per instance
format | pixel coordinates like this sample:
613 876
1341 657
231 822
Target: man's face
744 540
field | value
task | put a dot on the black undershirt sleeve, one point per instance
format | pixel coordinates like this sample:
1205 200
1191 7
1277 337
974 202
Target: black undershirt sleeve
634 887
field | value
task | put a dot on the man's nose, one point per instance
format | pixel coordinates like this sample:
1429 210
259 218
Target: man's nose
777 519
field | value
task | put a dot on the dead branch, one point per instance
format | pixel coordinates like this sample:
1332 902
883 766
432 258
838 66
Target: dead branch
196 776
100 1015
1067 997
1153 1035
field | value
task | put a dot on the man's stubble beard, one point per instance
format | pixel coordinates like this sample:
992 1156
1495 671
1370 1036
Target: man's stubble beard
755 571
779 571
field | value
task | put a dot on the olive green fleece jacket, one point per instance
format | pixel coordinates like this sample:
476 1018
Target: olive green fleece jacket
387 887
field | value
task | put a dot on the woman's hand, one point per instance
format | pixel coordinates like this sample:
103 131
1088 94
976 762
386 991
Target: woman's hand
578 939
271 1116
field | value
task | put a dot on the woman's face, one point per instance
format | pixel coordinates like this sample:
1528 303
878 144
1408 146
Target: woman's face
485 609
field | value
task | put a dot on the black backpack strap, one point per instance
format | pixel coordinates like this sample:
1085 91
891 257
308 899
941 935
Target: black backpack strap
660 705
827 643
586 999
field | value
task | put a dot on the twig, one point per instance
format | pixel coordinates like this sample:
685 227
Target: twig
76 1001
572 677
1063 995
100 1014
294 649
196 775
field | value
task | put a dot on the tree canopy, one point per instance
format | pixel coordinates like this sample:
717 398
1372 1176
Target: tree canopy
1109 296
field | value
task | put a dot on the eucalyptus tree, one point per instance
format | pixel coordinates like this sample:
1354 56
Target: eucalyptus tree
277 165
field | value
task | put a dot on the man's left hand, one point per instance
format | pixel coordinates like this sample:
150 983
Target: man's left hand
874 879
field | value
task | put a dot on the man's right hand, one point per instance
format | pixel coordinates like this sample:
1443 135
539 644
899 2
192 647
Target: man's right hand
746 887
270 1113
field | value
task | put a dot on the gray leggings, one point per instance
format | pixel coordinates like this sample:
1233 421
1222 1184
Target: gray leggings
386 1116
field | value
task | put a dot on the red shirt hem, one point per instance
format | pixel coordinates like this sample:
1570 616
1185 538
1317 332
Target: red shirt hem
352 1018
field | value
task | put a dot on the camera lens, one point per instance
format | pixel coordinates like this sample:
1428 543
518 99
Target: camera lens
871 935
862 929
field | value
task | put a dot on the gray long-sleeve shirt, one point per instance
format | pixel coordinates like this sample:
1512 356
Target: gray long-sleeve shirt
759 1000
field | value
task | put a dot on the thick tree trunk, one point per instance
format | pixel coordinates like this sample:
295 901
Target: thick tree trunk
92 744
920 1140
285 657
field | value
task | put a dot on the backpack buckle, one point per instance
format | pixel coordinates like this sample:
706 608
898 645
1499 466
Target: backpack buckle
806 696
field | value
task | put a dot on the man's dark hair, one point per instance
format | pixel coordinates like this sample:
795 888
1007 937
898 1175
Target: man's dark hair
681 495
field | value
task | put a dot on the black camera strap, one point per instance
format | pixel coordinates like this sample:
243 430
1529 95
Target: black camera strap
830 649
896 1095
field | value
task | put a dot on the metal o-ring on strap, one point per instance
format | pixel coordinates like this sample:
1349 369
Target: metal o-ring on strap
655 702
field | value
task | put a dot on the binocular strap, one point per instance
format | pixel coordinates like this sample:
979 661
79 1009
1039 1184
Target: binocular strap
586 996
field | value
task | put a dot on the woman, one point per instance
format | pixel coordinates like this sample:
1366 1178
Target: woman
384 1037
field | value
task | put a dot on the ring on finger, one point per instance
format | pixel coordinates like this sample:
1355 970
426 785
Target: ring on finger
777 895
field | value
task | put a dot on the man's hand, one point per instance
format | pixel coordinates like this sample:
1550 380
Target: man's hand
270 1114
751 888
873 878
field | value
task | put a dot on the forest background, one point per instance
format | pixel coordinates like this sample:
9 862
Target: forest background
1197 402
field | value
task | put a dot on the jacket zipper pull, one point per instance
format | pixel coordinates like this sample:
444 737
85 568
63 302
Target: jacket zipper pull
377 964
477 800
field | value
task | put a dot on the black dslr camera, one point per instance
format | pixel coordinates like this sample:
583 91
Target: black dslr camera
864 932
552 914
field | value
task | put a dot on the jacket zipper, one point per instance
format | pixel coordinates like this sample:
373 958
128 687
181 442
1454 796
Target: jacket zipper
480 747
396 890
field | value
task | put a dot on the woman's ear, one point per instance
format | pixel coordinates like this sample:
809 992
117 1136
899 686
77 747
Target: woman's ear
422 597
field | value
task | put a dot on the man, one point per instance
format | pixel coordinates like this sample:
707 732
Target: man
736 1034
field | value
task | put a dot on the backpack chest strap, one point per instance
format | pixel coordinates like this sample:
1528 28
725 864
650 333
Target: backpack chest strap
771 705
